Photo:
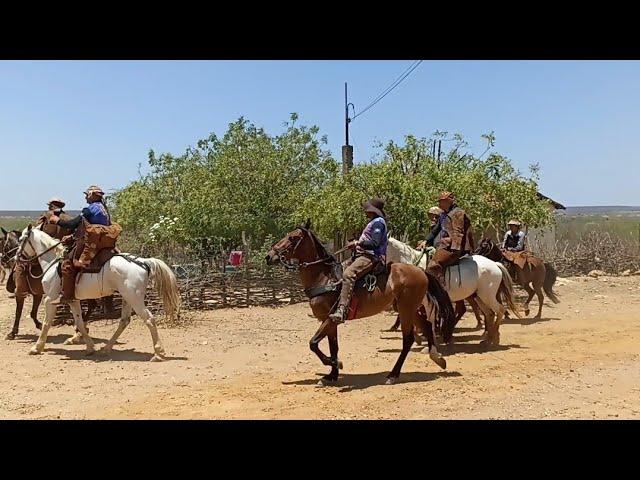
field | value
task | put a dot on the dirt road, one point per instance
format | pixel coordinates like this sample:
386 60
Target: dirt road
582 360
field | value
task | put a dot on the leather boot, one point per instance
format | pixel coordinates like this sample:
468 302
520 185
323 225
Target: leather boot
340 315
68 282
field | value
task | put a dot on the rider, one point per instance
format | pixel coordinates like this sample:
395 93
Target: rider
454 226
93 231
55 208
514 238
369 249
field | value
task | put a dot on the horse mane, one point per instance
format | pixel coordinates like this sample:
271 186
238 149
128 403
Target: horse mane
322 251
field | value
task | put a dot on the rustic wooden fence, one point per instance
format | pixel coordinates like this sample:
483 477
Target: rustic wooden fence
210 290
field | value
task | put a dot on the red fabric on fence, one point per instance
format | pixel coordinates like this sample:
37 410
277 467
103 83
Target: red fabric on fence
235 258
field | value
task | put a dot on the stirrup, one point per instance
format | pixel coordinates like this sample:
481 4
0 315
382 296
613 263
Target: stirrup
338 315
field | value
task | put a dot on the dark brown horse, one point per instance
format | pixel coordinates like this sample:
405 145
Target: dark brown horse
535 272
8 247
418 297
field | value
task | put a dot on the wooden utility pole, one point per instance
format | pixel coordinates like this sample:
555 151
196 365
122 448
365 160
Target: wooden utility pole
347 150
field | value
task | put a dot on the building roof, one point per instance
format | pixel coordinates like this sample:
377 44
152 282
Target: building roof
556 205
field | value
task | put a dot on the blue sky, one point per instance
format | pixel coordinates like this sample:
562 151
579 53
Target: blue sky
67 124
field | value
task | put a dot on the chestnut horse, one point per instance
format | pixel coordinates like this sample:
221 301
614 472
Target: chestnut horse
542 275
406 286
8 248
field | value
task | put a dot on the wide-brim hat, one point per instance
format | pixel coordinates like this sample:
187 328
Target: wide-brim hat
94 189
435 211
514 222
375 205
446 196
57 202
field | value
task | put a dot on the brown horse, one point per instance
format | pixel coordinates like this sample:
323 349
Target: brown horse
536 272
414 293
8 247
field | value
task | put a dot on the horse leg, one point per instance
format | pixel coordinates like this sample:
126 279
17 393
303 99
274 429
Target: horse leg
336 364
125 318
395 326
429 329
76 311
16 322
538 288
322 332
408 321
488 320
530 291
139 307
37 299
476 310
49 315
498 310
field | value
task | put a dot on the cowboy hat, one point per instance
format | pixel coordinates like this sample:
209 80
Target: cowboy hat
514 222
446 196
57 202
94 189
375 205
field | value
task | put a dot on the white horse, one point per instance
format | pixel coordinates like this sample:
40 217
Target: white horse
117 275
475 276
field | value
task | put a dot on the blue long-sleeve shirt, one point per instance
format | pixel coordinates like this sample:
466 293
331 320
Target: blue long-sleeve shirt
95 213
373 240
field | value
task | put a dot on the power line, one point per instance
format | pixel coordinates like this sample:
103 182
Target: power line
388 90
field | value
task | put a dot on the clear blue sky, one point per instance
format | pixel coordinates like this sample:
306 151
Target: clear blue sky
65 125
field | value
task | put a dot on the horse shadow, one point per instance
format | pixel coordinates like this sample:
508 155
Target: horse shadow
349 382
119 355
475 348
528 321
57 339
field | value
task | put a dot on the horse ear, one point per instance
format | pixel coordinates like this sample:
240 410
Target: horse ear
29 227
307 225
4 231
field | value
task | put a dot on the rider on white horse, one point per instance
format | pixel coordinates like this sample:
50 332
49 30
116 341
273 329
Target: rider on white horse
95 214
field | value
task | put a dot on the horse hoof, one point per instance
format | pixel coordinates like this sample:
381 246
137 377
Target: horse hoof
34 351
38 325
10 336
441 362
418 340
156 358
527 312
391 381
340 365
89 353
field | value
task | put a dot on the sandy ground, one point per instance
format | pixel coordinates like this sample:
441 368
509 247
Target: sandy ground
580 361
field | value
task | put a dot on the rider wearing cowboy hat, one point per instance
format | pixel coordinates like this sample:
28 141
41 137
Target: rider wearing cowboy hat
454 226
94 214
369 249
514 238
55 208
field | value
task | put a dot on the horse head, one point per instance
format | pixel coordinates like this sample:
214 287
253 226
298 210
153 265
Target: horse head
296 247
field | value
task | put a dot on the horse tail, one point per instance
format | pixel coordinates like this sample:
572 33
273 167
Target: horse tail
506 290
550 278
445 315
166 285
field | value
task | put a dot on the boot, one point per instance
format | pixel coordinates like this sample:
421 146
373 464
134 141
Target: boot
340 315
68 282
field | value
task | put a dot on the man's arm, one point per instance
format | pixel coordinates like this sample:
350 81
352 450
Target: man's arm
375 240
74 223
433 234
520 246
504 241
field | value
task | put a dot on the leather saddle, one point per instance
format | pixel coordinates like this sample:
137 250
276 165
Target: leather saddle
369 281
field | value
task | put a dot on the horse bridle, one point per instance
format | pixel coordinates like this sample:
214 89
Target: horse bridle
288 264
36 257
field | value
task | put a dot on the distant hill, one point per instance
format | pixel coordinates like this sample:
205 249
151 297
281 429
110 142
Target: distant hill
602 210
29 213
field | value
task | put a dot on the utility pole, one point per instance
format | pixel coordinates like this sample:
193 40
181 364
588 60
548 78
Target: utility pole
347 150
